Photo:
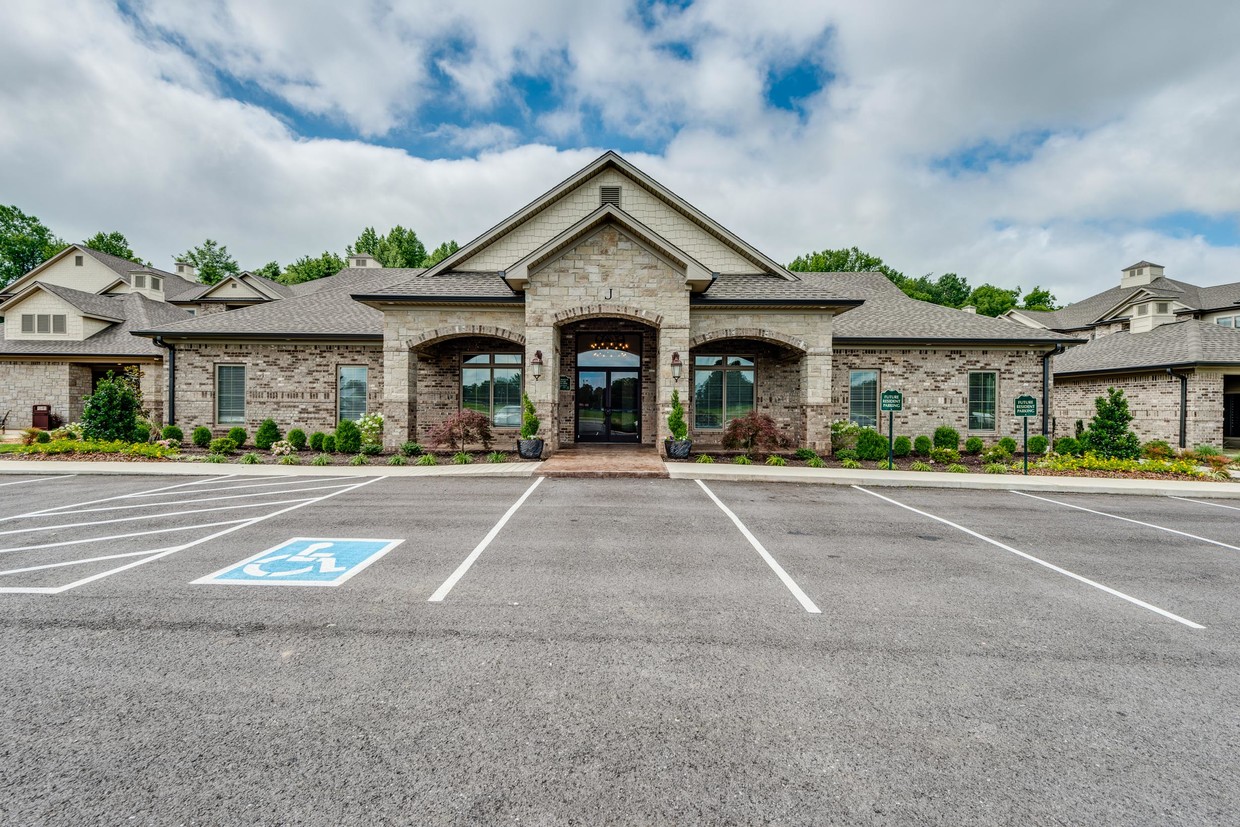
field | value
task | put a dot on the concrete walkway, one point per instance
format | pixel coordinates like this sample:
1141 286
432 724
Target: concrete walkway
202 469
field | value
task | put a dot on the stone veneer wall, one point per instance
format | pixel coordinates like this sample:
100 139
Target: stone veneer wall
935 384
568 367
1154 401
64 386
292 383
439 385
777 391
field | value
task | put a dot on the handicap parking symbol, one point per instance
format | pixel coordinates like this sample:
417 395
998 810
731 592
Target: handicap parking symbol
304 561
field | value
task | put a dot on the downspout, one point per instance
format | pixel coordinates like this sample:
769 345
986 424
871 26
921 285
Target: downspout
1046 388
171 418
1183 377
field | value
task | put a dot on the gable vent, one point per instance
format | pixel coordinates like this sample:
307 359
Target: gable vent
609 195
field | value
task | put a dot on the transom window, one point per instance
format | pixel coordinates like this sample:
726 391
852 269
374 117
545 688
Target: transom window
229 393
982 401
863 397
609 350
350 392
723 389
491 385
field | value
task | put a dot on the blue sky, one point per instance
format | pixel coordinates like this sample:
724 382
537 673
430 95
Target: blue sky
939 138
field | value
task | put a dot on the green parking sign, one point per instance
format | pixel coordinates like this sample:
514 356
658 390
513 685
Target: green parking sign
1026 406
892 401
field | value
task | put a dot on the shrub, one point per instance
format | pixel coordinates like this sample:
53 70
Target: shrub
1068 446
348 437
884 465
922 446
223 445
360 459
461 429
844 435
871 445
1157 449
957 468
776 459
705 459
267 435
974 445
371 426
216 457
945 437
754 430
805 454
201 436
995 468
529 419
43 437
29 435
1207 451
1037 444
172 432
1008 444
903 446
142 433
996 453
238 435
743 459
497 456
321 459
411 449
850 464
846 453
111 412
676 424
316 440
290 459
298 438
945 455
329 444
427 459
918 465
282 448
1109 435
397 459
815 462
371 449
462 458
249 459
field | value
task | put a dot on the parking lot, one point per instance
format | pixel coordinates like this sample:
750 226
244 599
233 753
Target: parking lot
641 651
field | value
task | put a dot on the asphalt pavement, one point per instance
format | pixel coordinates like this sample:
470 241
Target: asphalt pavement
563 651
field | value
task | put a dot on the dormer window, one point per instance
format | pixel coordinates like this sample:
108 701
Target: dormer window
359 262
139 282
1143 309
157 283
77 261
609 195
1140 271
1163 308
43 323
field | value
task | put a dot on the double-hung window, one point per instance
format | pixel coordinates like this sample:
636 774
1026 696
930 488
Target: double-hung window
229 394
723 389
863 397
983 401
350 392
491 385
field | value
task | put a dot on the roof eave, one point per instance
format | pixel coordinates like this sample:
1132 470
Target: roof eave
954 340
699 301
262 336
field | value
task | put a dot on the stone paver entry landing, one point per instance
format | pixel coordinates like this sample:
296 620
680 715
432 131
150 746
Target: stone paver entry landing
605 461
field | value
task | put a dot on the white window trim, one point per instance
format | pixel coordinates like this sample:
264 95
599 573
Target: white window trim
366 397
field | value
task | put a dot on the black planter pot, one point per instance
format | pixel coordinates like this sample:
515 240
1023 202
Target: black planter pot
677 448
530 448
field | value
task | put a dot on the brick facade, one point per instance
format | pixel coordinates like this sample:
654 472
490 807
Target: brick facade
439 383
1154 401
292 383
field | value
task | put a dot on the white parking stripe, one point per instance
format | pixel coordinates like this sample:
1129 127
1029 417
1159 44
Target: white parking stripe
164 504
161 516
1130 520
297 481
38 479
801 597
159 554
101 500
77 562
15 549
442 591
1032 559
1204 502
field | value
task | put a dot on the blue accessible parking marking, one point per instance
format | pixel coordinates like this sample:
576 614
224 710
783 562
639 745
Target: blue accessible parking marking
304 561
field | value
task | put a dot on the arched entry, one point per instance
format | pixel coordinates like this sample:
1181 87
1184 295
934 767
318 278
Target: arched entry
606 380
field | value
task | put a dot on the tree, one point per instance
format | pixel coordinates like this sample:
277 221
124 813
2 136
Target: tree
399 248
270 270
948 289
212 260
308 269
1039 299
111 412
441 252
993 301
113 243
25 243
1108 434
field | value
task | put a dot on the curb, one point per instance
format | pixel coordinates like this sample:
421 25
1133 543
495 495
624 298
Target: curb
211 469
932 479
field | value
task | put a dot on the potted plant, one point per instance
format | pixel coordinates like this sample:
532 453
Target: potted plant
678 444
529 446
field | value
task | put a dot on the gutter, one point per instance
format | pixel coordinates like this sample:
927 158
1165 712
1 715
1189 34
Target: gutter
171 413
1183 377
250 336
1046 387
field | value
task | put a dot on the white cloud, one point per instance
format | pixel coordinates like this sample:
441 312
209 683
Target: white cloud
105 124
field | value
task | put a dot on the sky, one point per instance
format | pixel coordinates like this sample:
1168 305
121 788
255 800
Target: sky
1042 143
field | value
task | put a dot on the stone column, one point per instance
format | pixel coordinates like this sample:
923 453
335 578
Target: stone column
399 394
816 397
544 391
671 340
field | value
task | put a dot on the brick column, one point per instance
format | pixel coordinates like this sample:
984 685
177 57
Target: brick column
544 391
399 394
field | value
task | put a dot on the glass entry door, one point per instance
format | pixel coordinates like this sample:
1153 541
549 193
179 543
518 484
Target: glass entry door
608 405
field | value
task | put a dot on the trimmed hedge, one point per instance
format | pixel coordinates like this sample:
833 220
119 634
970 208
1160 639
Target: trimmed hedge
223 445
173 432
238 436
945 437
201 436
871 445
297 437
316 440
268 434
348 437
922 446
974 445
903 446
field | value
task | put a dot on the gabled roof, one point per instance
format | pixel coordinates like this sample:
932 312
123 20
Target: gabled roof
1179 344
89 304
266 288
1144 263
137 311
605 161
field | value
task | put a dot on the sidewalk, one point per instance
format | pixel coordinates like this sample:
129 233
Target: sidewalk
216 469
940 479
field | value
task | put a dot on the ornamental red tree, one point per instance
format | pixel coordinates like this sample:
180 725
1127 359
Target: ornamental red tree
753 430
462 428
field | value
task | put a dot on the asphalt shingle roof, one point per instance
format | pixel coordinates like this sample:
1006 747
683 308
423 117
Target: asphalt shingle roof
1181 343
478 285
92 304
117 340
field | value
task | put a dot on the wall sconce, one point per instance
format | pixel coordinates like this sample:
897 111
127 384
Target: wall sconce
676 366
536 364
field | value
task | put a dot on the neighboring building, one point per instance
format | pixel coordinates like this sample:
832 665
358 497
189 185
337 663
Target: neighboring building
598 299
1173 347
